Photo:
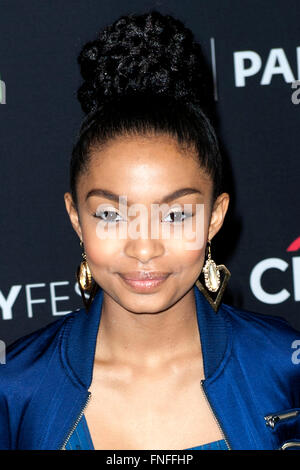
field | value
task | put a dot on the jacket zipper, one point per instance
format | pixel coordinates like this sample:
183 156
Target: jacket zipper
214 414
63 447
271 420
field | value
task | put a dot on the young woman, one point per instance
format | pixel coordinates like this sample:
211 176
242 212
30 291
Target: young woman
154 360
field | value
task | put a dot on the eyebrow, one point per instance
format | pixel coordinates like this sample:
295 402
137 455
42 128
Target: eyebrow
166 199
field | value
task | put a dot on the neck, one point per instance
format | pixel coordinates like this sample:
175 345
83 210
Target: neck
148 340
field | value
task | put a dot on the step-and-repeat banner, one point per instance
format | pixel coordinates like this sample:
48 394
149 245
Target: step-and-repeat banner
253 49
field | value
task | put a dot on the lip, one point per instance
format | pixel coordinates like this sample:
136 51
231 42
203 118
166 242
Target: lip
143 281
144 275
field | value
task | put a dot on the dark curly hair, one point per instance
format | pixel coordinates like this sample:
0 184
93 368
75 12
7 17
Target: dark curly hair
145 74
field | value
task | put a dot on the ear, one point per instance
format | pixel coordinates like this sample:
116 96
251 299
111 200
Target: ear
218 214
73 214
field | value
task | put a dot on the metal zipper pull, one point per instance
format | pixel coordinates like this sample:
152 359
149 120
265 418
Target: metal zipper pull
271 420
214 415
63 447
289 444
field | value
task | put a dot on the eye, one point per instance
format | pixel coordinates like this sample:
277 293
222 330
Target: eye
107 216
177 216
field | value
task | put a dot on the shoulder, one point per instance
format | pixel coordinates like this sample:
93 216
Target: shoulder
26 357
266 341
260 324
27 361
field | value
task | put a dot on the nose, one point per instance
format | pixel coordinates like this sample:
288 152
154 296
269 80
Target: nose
144 249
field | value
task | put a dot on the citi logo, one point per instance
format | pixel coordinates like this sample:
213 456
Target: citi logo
249 63
277 263
2 92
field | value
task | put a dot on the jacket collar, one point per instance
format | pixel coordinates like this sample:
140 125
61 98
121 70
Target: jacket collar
82 337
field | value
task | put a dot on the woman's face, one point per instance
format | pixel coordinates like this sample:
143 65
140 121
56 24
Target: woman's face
124 241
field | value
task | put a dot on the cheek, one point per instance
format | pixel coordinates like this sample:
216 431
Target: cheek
99 251
190 248
184 257
189 251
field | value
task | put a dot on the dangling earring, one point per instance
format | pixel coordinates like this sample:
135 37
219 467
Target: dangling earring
212 279
84 278
211 272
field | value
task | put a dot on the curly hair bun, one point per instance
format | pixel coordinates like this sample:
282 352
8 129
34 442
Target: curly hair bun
148 53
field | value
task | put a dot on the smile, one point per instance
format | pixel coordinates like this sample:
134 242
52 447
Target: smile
144 282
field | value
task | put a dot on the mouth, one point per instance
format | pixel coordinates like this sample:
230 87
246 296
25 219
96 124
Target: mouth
144 281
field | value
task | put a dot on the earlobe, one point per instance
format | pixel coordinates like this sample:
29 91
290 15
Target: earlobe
73 214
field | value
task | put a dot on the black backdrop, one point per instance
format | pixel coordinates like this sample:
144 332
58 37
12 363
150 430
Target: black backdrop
254 48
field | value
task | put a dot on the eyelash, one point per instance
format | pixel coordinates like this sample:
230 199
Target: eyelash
98 216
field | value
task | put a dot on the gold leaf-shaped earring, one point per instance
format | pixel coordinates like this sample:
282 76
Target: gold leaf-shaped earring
84 277
211 272
212 280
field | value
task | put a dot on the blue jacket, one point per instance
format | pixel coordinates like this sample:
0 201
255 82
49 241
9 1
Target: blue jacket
251 382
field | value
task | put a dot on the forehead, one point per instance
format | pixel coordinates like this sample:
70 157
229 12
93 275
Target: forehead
144 166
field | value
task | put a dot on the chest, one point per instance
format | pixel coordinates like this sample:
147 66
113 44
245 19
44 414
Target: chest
162 411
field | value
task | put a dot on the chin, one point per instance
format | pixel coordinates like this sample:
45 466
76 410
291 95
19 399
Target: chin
142 303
